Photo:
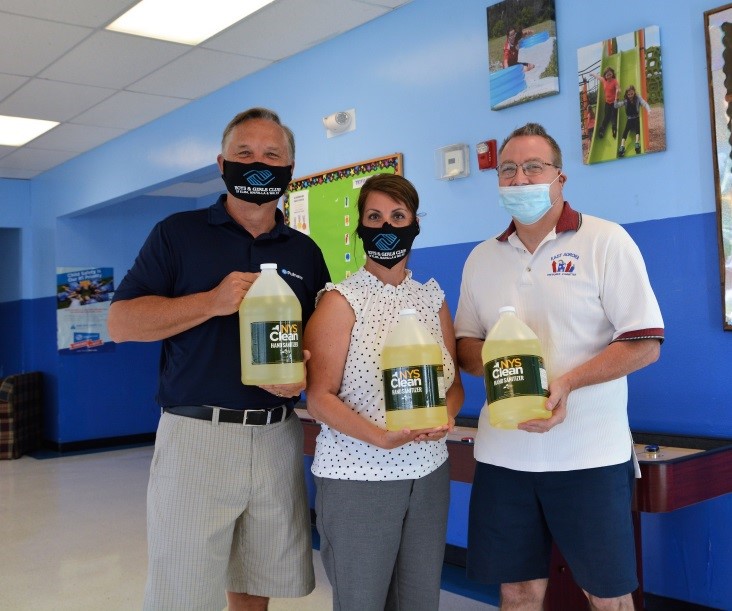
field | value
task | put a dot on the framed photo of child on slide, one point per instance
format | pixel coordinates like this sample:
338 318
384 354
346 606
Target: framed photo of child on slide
718 28
621 96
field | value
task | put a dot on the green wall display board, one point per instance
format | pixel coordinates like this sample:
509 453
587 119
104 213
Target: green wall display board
323 206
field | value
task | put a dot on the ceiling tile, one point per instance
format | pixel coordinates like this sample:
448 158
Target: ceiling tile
9 83
213 69
38 160
52 100
57 63
77 138
28 45
17 173
92 13
265 33
128 110
109 59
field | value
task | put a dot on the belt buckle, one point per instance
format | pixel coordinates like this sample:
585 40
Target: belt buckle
247 411
272 411
269 415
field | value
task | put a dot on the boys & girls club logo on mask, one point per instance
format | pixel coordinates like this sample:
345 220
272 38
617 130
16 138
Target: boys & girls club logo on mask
386 241
259 178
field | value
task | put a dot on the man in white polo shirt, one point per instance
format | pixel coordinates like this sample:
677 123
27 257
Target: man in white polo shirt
581 284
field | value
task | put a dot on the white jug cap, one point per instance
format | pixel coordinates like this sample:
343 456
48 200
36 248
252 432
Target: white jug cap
407 312
506 309
268 266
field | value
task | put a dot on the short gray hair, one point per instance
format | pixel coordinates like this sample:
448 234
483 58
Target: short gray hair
260 113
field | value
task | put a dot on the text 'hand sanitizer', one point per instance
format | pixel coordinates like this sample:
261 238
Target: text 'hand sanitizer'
412 370
270 332
515 376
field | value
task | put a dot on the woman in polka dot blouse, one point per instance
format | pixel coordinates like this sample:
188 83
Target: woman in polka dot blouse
382 496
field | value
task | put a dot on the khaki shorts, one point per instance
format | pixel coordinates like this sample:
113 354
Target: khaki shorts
227 509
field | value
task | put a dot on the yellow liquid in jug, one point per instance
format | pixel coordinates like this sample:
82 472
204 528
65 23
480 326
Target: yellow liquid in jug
420 417
268 309
508 413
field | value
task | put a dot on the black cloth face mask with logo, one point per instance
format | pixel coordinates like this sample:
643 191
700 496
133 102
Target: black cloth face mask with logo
257 183
387 245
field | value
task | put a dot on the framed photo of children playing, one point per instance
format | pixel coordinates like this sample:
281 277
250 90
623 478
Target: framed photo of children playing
621 97
522 52
718 26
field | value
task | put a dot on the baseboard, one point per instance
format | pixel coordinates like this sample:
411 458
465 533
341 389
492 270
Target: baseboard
99 444
654 602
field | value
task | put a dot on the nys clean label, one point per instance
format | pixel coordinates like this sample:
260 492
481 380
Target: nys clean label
415 386
518 375
276 342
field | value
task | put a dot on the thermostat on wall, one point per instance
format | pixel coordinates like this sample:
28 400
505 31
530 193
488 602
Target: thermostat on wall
452 162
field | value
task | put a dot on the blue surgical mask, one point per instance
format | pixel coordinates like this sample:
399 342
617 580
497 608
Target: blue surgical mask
526 203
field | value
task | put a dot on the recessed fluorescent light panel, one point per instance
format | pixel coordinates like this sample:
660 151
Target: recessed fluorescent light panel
189 22
17 131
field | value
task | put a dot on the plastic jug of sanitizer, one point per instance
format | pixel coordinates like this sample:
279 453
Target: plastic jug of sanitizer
270 331
412 372
515 376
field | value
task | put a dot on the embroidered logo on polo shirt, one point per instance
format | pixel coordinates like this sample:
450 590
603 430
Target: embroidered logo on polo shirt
287 272
564 264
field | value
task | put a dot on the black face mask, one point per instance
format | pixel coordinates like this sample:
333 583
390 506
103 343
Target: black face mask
388 245
257 183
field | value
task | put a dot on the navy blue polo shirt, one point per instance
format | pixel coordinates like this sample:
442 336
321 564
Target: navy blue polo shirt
191 252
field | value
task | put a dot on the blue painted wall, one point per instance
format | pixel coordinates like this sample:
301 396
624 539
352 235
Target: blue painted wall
14 230
418 79
11 353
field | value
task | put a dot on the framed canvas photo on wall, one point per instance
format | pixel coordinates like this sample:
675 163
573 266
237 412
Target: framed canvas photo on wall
718 28
522 52
621 96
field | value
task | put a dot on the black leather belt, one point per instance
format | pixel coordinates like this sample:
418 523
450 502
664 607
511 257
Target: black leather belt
249 417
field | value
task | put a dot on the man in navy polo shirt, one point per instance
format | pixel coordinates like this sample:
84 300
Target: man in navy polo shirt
227 506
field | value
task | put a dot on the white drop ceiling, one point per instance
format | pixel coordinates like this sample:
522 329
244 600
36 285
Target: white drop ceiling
57 62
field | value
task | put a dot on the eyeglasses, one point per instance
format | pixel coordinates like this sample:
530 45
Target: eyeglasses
530 168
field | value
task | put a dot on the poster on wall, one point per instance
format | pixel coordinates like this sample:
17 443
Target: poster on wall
718 24
621 97
82 304
324 206
522 52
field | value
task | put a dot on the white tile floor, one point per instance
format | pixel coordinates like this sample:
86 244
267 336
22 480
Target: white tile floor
72 536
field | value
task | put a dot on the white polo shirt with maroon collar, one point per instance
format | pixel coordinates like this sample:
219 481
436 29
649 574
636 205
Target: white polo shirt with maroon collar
584 287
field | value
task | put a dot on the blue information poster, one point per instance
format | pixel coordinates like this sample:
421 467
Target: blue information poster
82 303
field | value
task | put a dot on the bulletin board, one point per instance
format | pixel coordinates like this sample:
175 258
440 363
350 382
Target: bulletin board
323 206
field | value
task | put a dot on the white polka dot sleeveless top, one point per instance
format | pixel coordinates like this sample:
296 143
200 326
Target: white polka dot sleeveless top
377 307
